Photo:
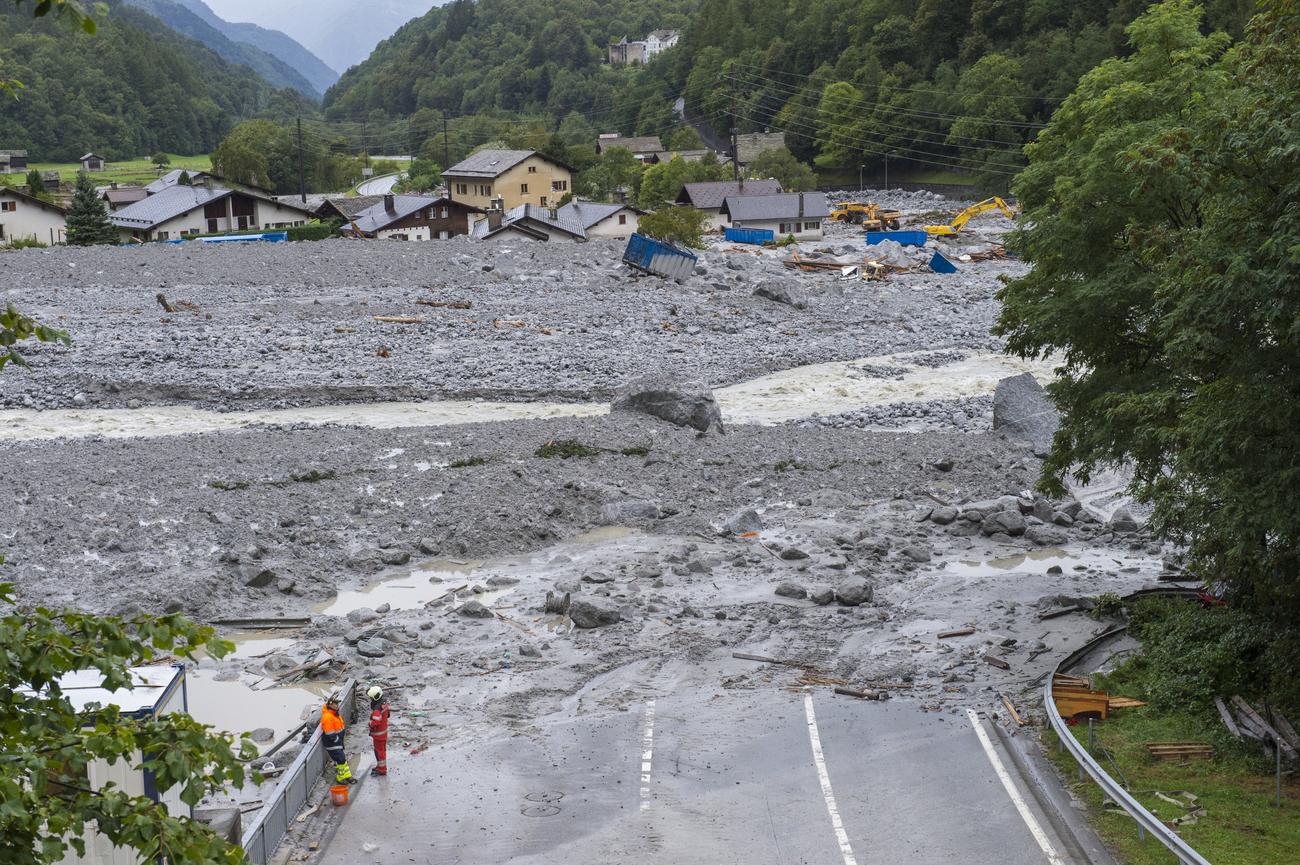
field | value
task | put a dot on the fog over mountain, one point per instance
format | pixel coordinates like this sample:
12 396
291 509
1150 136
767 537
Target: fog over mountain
340 32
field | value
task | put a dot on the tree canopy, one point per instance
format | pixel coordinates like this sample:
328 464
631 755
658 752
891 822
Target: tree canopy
1159 217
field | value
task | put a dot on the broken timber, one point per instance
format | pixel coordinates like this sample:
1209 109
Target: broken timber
263 624
957 632
995 661
1059 611
1264 730
1011 707
763 659
1179 750
1227 718
400 319
861 695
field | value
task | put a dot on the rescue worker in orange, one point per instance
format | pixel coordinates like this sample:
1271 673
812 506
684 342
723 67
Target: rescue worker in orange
379 729
331 726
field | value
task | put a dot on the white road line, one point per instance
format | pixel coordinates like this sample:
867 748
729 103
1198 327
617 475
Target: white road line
846 849
1023 807
647 753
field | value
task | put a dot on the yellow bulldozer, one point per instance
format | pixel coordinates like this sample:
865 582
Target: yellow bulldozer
959 221
870 216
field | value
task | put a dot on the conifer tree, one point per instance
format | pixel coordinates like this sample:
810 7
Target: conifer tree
87 219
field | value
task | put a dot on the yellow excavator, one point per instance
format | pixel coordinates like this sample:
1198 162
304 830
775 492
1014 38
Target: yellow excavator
959 221
871 216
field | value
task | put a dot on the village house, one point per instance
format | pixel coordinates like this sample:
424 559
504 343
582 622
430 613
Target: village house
506 179
25 217
117 197
50 180
530 222
623 52
344 208
602 220
92 162
709 196
179 211
751 144
13 161
413 217
797 214
646 148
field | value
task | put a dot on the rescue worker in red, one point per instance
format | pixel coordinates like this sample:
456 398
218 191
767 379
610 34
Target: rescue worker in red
331 727
379 729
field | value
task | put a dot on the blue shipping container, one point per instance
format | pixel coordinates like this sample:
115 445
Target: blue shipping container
907 238
939 264
658 257
756 236
267 236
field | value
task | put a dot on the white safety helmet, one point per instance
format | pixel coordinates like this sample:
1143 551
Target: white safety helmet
375 692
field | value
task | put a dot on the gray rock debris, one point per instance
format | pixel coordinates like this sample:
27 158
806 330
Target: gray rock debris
684 403
792 590
741 522
782 292
589 614
1022 411
854 591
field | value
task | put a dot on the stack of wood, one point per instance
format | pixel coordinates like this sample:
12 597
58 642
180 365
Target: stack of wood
1181 751
1266 727
1075 698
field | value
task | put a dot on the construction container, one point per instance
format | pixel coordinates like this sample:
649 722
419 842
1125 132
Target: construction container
659 257
339 794
265 237
756 236
939 264
906 238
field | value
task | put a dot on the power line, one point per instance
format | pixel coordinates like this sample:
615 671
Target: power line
907 89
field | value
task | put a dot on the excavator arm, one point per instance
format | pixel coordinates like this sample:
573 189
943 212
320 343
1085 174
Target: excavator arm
960 220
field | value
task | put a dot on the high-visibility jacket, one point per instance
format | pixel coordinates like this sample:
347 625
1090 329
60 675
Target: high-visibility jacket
331 726
379 720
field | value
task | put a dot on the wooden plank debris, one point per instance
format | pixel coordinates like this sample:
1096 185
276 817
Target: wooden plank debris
1251 718
956 632
1283 726
1059 611
1228 720
399 319
1179 750
1011 707
861 695
445 304
995 661
264 624
1125 703
764 659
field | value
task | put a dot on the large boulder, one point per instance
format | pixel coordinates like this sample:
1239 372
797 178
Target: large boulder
741 523
782 292
1123 522
1005 522
684 403
854 591
588 614
1022 411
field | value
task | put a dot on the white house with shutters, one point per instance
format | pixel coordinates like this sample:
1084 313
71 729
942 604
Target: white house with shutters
25 217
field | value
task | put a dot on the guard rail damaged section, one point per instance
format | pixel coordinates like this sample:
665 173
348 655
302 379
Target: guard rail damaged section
277 815
1110 788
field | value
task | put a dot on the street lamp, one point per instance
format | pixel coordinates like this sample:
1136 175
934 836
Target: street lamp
860 167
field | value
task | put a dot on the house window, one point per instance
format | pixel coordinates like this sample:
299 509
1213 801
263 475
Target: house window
811 226
212 226
523 189
462 189
622 219
786 228
559 185
8 206
543 201
445 213
164 235
532 169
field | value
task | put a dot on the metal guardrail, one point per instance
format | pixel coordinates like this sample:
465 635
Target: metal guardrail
277 815
1110 788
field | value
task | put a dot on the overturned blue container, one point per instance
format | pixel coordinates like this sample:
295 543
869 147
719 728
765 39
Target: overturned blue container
756 236
265 237
939 264
659 257
906 238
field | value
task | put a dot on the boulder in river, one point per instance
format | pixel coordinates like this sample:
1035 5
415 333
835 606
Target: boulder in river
684 403
1022 411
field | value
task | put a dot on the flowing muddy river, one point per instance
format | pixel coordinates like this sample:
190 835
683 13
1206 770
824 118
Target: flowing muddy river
826 388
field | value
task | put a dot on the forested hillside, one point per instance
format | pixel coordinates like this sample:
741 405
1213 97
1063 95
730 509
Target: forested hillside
939 84
192 19
517 55
133 88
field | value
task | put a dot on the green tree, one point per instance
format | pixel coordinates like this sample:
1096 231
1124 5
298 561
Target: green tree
88 222
35 185
184 179
424 175
781 164
47 745
617 170
1159 220
161 160
684 138
681 225
258 153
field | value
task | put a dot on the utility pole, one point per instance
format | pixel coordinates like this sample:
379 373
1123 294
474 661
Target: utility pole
302 182
735 148
446 148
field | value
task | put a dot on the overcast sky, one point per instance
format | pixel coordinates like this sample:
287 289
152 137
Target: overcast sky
340 32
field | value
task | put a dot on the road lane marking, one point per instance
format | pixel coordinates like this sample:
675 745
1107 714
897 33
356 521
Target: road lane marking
647 752
846 849
1023 807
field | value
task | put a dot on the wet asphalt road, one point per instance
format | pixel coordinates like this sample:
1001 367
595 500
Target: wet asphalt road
690 777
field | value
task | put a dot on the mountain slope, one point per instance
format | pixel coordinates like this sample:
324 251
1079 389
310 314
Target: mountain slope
273 42
133 88
340 32
176 15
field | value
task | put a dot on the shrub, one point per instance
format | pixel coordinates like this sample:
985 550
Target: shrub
314 231
682 225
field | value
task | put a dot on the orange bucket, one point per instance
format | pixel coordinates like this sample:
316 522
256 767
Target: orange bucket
339 794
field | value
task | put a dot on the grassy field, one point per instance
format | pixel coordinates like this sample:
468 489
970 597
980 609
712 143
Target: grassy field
140 171
1236 788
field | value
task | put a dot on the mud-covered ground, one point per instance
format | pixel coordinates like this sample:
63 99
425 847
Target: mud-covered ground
268 325
424 555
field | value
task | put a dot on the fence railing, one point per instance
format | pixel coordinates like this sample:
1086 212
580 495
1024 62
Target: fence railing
1111 790
272 823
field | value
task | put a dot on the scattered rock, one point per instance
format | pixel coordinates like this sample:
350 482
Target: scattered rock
782 292
1022 411
793 554
262 735
822 597
588 614
854 591
1005 522
474 610
372 647
256 576
684 403
1123 521
943 515
395 557
916 553
741 522
792 590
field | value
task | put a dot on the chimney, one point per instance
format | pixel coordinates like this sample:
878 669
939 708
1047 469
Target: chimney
389 206
555 213
114 185
494 219
801 205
